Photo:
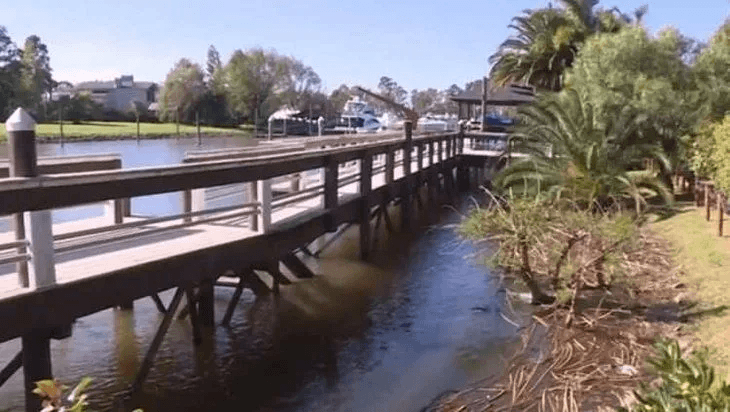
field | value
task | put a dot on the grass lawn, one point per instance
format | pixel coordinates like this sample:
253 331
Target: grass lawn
705 261
90 130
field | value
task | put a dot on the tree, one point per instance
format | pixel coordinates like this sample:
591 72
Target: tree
573 155
548 39
631 69
390 89
35 72
301 83
339 97
712 74
214 62
9 74
182 92
255 82
721 155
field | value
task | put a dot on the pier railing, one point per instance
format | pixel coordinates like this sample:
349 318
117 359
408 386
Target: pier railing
324 169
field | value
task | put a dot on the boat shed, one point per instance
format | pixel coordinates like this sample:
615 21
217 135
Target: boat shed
508 96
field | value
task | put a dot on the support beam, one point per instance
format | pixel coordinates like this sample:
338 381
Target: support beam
194 320
297 267
12 367
149 358
254 282
233 303
158 302
206 302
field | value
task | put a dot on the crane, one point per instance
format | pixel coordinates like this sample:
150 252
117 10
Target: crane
409 114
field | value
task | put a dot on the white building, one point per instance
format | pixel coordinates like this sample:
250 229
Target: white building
119 94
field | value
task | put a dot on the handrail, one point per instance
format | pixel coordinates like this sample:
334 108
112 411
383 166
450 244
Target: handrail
51 191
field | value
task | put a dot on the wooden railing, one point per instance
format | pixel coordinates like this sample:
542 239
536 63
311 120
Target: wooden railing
360 158
706 194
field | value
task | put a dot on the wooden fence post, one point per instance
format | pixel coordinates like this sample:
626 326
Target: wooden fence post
707 201
720 210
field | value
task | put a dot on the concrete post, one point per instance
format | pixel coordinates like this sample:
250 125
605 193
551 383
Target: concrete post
269 136
320 125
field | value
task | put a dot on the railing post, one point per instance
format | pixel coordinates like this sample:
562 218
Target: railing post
406 189
263 197
366 182
193 201
389 165
20 128
331 190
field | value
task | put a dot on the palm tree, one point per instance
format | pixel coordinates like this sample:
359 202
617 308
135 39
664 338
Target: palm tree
548 40
570 156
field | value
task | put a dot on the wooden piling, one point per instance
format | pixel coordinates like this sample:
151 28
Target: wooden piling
36 365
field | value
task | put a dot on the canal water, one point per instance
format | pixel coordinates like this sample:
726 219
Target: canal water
387 335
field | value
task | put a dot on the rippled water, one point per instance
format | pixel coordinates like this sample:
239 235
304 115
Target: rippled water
388 335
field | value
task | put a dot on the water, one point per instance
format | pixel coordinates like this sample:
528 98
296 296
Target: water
388 335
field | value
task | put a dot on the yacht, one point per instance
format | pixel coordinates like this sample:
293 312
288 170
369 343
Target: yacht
357 117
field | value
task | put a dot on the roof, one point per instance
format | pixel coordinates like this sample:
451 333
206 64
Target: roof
284 113
111 84
511 95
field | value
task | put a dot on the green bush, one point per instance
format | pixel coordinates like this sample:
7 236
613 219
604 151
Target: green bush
686 384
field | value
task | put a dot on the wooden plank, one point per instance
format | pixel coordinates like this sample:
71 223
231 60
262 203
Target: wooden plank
12 367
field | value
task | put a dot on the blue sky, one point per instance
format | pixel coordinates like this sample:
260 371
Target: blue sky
420 44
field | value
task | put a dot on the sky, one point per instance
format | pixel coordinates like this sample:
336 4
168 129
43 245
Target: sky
420 44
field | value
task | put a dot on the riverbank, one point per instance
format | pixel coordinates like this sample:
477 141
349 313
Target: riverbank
93 131
676 290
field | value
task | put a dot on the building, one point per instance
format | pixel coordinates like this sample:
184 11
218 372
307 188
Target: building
118 94
499 99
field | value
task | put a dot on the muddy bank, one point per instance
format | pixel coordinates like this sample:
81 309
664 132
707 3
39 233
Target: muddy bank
593 357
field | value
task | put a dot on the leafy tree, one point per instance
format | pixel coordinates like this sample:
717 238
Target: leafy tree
182 92
424 101
547 41
339 97
390 89
9 74
301 83
721 154
630 69
572 155
712 74
255 81
35 72
214 62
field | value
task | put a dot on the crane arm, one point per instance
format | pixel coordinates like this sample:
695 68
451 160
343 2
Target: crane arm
409 114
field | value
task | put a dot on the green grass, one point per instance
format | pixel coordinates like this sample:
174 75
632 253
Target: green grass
705 261
91 130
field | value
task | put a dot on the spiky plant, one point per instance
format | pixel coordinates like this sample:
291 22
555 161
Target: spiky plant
591 164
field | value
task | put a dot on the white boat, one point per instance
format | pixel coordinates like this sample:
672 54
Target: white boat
357 117
437 123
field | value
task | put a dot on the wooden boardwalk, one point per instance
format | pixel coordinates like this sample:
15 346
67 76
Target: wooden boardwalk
287 198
